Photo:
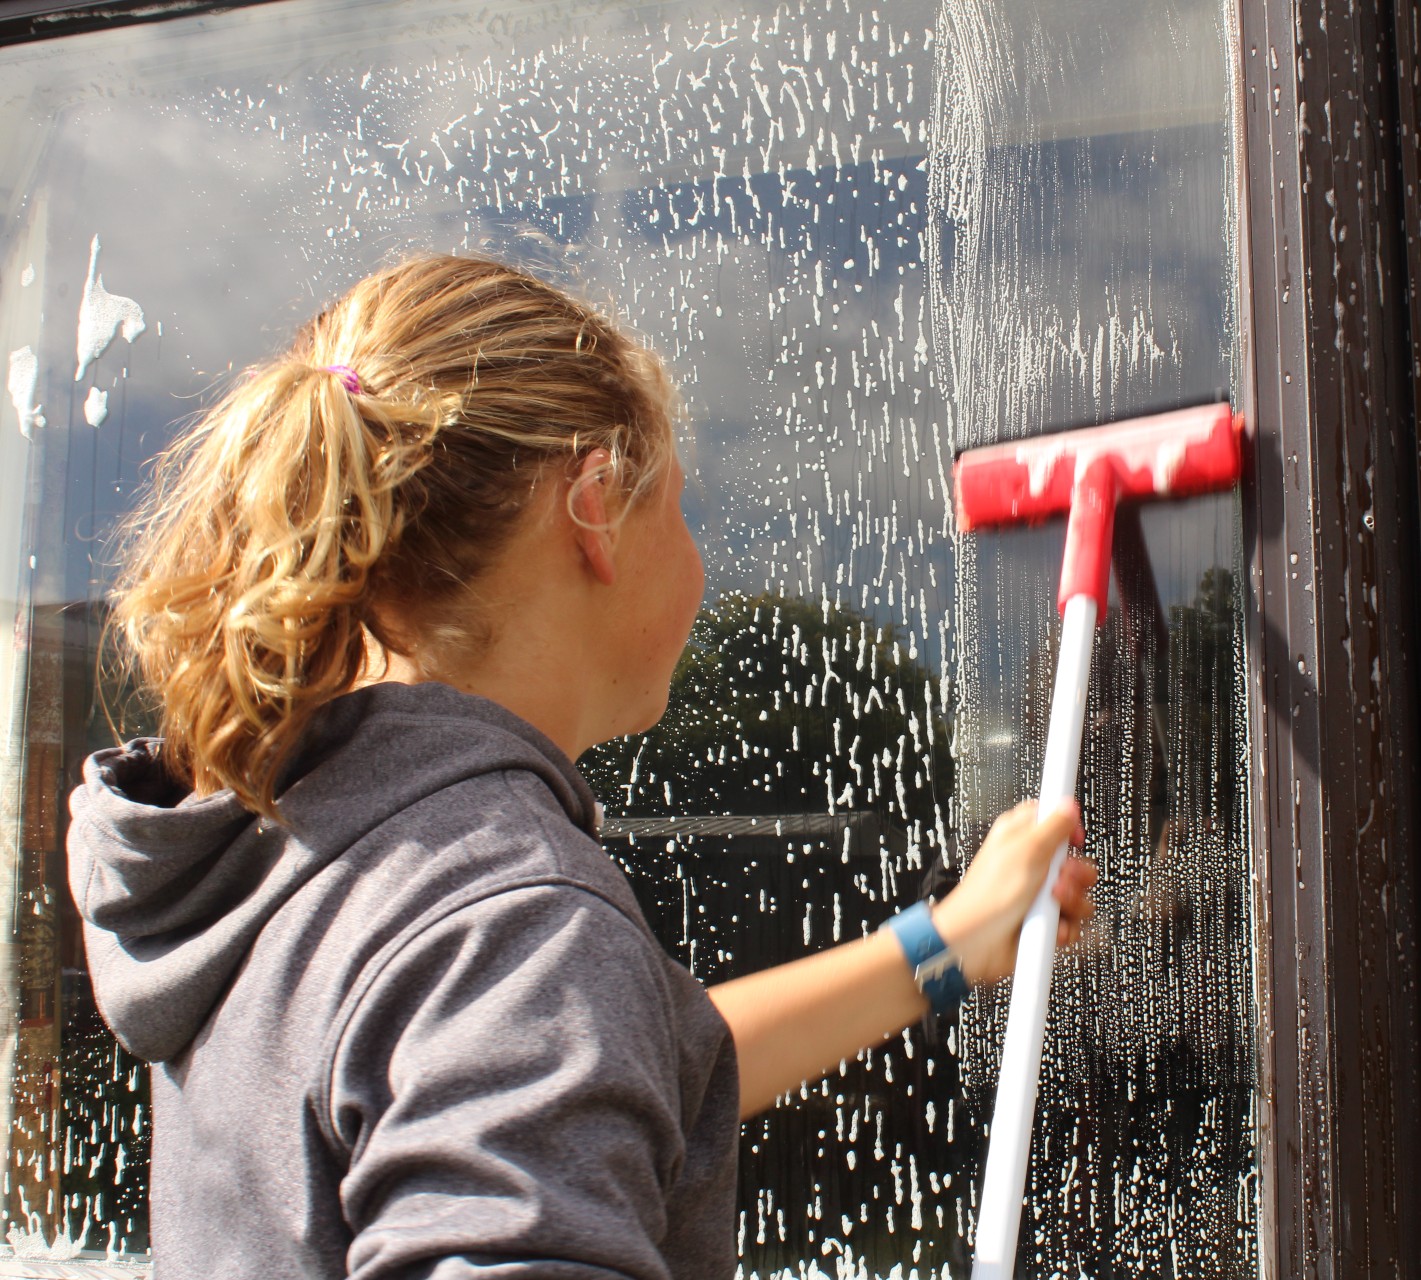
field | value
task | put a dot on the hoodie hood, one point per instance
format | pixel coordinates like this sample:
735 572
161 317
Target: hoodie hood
174 889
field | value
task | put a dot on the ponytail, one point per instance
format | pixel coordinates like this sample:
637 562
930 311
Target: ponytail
245 594
371 474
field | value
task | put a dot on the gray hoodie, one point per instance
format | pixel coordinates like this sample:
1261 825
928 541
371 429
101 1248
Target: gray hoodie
422 1030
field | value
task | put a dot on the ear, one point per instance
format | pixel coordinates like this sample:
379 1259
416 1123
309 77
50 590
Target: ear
592 510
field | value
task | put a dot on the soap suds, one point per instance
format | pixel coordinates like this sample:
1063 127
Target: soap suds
22 382
96 406
103 316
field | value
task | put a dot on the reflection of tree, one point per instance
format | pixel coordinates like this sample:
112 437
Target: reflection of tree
101 1146
1203 664
1150 1069
782 705
1148 1076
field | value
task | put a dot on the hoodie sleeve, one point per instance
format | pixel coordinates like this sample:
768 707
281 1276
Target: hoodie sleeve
508 1092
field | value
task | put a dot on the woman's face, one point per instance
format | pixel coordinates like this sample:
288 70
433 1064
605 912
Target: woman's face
660 584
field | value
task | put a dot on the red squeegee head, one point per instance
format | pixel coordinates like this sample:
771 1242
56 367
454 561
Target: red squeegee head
1085 473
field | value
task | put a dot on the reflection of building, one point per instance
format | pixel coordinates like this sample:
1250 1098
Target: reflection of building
856 835
77 1129
35 879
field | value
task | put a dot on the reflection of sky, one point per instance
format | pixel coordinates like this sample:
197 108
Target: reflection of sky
788 299
1088 278
761 223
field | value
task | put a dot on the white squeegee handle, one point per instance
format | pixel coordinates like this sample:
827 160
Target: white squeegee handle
1004 1182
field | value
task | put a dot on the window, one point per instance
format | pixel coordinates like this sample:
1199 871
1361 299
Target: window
864 238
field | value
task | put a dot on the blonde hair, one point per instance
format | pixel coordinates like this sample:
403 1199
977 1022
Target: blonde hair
298 514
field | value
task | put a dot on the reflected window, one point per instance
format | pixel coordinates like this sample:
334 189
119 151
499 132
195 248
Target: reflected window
864 239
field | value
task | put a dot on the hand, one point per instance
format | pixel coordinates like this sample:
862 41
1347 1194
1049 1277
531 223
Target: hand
981 918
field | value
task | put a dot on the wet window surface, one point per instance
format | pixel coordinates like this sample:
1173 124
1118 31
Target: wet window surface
864 239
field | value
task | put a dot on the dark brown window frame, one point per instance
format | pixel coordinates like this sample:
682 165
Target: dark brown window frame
1332 538
25 20
1331 184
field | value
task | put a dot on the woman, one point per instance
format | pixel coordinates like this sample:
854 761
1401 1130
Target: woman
404 1014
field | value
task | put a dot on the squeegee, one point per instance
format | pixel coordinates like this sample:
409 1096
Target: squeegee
1082 474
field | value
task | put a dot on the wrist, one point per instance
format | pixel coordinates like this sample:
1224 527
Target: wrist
960 933
937 972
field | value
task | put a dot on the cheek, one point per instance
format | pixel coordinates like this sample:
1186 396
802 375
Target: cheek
695 580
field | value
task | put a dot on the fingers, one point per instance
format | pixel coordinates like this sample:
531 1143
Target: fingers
1077 878
983 914
1071 926
1022 842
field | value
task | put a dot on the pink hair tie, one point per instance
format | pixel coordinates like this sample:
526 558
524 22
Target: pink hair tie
349 379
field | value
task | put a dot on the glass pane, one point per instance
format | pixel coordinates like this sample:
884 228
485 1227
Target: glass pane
1084 271
864 239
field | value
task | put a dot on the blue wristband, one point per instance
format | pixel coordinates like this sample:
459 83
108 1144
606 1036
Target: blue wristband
935 968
